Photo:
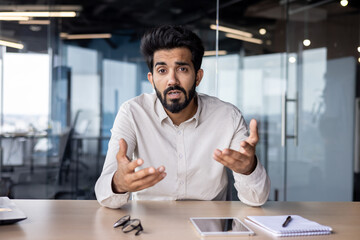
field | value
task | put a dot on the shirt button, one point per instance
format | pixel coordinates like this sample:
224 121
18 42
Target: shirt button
180 155
181 182
179 132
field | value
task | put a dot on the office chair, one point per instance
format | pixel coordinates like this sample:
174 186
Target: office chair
71 164
231 193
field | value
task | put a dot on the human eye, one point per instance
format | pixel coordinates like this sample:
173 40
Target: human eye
161 70
183 69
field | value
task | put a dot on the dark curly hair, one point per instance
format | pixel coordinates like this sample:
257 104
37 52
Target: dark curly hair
169 37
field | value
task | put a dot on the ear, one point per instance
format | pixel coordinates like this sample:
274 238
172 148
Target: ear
199 76
150 78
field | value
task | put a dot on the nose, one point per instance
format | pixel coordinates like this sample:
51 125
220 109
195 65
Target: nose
172 79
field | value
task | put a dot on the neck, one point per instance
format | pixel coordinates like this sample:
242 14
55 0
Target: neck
185 114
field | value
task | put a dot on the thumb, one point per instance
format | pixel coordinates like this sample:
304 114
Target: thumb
122 150
254 136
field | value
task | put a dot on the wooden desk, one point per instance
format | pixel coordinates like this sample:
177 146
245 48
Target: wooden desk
85 219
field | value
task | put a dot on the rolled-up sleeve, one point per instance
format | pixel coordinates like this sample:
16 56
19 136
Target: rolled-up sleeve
103 188
253 189
105 195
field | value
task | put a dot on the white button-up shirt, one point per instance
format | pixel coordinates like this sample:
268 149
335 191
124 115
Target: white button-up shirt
185 151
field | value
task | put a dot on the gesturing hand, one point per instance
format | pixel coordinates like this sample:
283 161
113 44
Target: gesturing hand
127 180
242 161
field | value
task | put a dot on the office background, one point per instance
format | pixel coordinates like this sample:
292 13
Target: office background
291 64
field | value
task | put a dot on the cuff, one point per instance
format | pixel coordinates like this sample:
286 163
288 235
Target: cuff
253 177
253 189
105 195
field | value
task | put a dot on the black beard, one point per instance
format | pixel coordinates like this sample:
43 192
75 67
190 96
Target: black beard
175 106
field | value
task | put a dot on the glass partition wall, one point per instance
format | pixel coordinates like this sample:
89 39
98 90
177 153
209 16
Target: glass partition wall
320 159
24 100
291 65
295 65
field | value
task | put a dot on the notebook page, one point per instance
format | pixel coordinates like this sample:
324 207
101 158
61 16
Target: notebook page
297 226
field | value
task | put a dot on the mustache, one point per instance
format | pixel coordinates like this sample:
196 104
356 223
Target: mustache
172 88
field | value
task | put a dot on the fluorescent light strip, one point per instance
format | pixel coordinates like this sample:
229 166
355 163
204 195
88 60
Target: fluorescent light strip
85 36
231 30
14 18
213 53
38 14
11 44
35 22
252 40
63 35
36 7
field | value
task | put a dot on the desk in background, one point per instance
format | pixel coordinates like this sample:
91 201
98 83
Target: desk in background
85 219
15 151
13 146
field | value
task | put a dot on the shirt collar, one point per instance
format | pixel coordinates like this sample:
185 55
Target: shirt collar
160 111
198 111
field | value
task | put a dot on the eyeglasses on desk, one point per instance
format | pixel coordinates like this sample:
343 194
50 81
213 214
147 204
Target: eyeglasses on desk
129 224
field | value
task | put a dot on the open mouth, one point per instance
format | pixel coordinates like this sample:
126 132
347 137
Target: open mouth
174 94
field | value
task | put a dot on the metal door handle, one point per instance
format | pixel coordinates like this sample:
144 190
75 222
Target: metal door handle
283 119
296 119
284 136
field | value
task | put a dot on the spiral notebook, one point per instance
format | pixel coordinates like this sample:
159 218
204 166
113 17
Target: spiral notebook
298 226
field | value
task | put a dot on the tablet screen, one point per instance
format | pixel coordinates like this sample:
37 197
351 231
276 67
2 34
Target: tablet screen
220 226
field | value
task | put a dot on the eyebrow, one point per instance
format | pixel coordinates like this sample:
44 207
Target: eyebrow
160 63
182 63
177 63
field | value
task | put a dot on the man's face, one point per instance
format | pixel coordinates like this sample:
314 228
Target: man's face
174 78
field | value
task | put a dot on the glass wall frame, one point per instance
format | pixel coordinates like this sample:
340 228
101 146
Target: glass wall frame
303 97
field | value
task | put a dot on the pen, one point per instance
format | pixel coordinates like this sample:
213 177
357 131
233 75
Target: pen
288 219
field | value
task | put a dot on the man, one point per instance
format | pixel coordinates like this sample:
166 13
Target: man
173 145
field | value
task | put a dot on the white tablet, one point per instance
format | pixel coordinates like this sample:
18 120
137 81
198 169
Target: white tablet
220 226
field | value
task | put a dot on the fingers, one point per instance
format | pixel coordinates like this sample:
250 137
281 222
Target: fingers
131 166
123 161
246 148
121 155
240 162
218 157
148 181
145 178
227 157
143 173
254 136
124 181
